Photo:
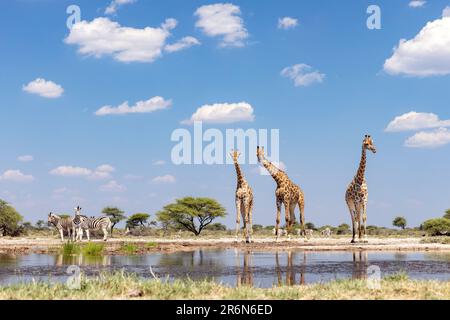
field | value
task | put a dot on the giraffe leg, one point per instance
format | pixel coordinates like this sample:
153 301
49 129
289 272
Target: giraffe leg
288 218
250 218
351 208
238 218
301 206
358 222
277 226
364 221
247 222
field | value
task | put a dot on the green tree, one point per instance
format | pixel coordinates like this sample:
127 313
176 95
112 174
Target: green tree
399 222
258 227
217 227
343 228
40 224
115 214
447 214
9 220
137 219
310 225
192 214
436 227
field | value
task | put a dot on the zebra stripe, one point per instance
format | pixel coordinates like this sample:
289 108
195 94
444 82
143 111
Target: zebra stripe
85 223
62 224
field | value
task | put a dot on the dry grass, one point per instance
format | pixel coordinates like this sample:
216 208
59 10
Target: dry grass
123 286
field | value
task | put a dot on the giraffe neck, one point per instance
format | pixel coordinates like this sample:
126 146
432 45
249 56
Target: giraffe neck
273 170
362 167
240 177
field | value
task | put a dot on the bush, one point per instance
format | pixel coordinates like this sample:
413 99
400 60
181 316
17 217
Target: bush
437 227
216 227
93 249
10 220
70 248
129 248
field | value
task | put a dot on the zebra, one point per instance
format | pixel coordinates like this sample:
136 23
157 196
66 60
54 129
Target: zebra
308 233
326 232
85 223
62 224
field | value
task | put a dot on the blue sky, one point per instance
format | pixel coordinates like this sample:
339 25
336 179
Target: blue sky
359 81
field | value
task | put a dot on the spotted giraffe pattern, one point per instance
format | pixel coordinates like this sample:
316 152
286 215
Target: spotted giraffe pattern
357 193
287 193
244 201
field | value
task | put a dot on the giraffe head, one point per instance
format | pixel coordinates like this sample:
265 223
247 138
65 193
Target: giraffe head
260 153
368 144
235 155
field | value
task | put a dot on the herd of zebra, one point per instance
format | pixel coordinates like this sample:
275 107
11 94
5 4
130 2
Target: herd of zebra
77 225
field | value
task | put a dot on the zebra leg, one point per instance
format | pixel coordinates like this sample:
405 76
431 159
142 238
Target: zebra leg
105 234
61 232
88 235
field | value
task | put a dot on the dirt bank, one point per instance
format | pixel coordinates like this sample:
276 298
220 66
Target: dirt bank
143 245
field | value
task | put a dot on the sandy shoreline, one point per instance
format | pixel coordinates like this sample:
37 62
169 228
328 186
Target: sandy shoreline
113 246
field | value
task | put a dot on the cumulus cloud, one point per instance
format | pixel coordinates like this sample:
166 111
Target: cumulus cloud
429 139
44 88
103 37
287 23
302 75
159 163
164 179
222 20
113 186
417 3
416 121
184 43
99 173
223 113
25 158
115 4
150 105
427 54
16 176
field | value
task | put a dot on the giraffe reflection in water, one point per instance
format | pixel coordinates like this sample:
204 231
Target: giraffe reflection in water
360 265
294 270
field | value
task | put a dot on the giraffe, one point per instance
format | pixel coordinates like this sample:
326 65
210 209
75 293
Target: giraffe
244 200
356 195
287 193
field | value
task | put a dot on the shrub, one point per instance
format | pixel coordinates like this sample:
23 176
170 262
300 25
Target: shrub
129 248
436 227
10 220
93 249
70 248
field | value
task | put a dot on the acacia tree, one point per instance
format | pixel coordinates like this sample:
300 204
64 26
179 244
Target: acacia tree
115 214
9 220
137 219
399 222
192 214
447 214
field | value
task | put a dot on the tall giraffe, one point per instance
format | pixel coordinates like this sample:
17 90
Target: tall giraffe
287 193
357 193
244 201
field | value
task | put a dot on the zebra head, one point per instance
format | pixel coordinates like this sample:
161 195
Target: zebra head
52 219
77 210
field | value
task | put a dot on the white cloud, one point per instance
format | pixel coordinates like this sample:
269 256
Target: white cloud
159 163
102 37
429 139
113 186
25 158
16 176
44 88
302 75
115 4
222 20
132 177
164 179
151 105
287 23
446 12
184 43
416 121
70 171
427 54
101 172
223 113
417 3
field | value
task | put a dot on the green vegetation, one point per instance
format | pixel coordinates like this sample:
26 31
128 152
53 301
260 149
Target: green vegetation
126 286
399 222
129 248
217 227
151 244
9 220
343 229
191 214
70 248
437 227
447 214
137 219
115 214
93 249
